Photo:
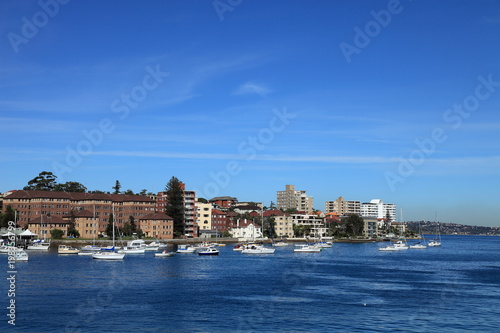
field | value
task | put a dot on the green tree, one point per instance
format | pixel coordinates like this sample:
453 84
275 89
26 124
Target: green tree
56 233
354 225
71 225
9 215
109 227
133 226
45 181
202 200
129 192
143 192
70 187
117 187
175 205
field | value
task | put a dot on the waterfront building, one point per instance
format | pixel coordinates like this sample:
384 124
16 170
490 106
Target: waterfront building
343 207
43 224
370 227
30 205
157 225
246 230
379 209
283 223
294 199
315 223
204 216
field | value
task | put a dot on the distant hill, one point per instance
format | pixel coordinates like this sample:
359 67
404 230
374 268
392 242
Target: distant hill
452 228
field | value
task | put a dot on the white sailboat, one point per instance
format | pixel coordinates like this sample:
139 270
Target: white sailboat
420 245
436 241
109 255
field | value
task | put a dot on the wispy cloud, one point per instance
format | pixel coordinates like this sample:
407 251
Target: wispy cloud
249 88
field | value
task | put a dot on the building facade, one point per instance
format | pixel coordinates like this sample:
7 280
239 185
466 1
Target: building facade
343 207
379 209
294 199
157 225
283 223
30 205
204 216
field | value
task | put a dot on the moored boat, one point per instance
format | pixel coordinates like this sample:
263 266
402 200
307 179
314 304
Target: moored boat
305 248
164 254
208 251
185 249
257 249
66 249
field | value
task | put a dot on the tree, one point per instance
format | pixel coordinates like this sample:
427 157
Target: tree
354 225
70 187
129 192
9 215
56 233
71 225
45 181
202 200
117 187
143 192
109 227
175 205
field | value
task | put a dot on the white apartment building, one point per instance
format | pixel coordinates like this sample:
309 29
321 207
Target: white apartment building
291 198
343 207
317 224
378 209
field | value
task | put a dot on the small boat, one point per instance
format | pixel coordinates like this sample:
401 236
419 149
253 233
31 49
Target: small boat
238 247
186 249
108 255
20 255
257 249
395 246
136 246
39 244
324 245
154 246
418 246
88 250
305 248
280 243
164 254
66 249
208 251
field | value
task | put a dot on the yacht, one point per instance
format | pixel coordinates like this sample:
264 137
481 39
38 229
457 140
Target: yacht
186 249
305 248
208 251
66 249
20 255
395 246
257 249
39 244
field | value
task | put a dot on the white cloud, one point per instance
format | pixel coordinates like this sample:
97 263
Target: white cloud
252 88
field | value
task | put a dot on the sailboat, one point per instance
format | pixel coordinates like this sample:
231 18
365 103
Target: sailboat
419 245
259 248
109 255
436 241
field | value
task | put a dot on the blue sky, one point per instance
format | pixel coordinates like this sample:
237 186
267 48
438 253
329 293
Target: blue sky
387 100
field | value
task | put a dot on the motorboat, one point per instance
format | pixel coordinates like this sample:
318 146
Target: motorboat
305 248
238 247
208 251
39 244
395 246
108 255
164 254
257 249
325 244
20 255
88 250
136 246
434 243
186 249
66 249
154 246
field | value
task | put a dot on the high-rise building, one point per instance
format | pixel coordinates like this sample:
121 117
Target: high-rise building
343 207
378 209
291 198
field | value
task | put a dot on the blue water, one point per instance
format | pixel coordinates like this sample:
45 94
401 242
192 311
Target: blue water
348 288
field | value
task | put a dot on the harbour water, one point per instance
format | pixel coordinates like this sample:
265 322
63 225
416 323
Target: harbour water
346 288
